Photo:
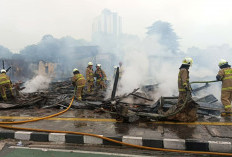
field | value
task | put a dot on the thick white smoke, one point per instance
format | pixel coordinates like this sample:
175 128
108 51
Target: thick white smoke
205 66
39 82
135 71
147 62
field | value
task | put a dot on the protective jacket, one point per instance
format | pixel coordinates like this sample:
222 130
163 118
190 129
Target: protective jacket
183 80
5 84
4 79
225 75
89 74
78 80
100 75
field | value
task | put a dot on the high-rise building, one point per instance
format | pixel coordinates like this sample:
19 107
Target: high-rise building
107 23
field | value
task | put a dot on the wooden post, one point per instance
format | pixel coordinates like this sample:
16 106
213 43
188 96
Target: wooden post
115 84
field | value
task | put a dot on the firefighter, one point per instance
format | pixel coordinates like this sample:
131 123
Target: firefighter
5 84
225 75
121 70
89 77
188 112
183 80
100 77
78 82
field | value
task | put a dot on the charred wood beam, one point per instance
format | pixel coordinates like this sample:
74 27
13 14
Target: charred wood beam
175 97
8 69
141 97
115 84
3 64
134 104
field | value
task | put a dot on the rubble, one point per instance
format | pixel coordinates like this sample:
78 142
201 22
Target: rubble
128 107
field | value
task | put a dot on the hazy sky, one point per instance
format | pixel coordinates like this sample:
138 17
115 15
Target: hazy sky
199 23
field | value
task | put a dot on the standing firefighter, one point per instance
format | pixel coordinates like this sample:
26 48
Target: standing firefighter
121 70
183 80
89 77
5 84
225 75
78 82
186 109
101 77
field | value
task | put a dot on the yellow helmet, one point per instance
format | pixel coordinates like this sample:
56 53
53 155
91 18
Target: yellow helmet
75 70
222 62
187 61
90 63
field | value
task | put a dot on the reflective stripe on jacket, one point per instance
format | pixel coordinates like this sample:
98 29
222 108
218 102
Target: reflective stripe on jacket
79 80
226 78
100 75
89 74
4 79
183 79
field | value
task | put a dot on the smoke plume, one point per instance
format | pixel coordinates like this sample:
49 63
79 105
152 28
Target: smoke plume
36 84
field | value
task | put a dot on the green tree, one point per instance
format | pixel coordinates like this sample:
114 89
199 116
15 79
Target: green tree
167 35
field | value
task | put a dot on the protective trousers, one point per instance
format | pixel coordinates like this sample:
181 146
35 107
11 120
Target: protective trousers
181 98
90 86
226 98
3 89
101 84
79 93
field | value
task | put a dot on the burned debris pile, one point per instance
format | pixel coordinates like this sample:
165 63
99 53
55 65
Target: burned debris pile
130 107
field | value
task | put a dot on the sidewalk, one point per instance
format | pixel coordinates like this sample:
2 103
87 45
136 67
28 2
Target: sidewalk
208 137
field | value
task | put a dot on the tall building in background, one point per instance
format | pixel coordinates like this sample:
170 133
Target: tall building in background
108 23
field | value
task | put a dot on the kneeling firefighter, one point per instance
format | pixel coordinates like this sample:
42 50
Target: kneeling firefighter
5 84
225 75
78 82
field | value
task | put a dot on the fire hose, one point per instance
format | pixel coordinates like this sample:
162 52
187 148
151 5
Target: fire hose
159 116
194 82
98 136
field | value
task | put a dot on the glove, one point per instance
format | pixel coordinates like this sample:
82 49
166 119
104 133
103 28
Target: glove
186 87
218 77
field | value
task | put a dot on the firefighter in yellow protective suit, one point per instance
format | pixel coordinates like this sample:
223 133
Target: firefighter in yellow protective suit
78 82
90 77
101 77
186 108
225 75
183 80
5 84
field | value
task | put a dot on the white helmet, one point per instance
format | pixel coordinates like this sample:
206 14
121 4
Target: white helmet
187 61
115 67
222 62
90 63
98 65
3 71
75 70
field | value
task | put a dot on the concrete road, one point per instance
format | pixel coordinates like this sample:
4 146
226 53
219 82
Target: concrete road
37 152
39 149
102 124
